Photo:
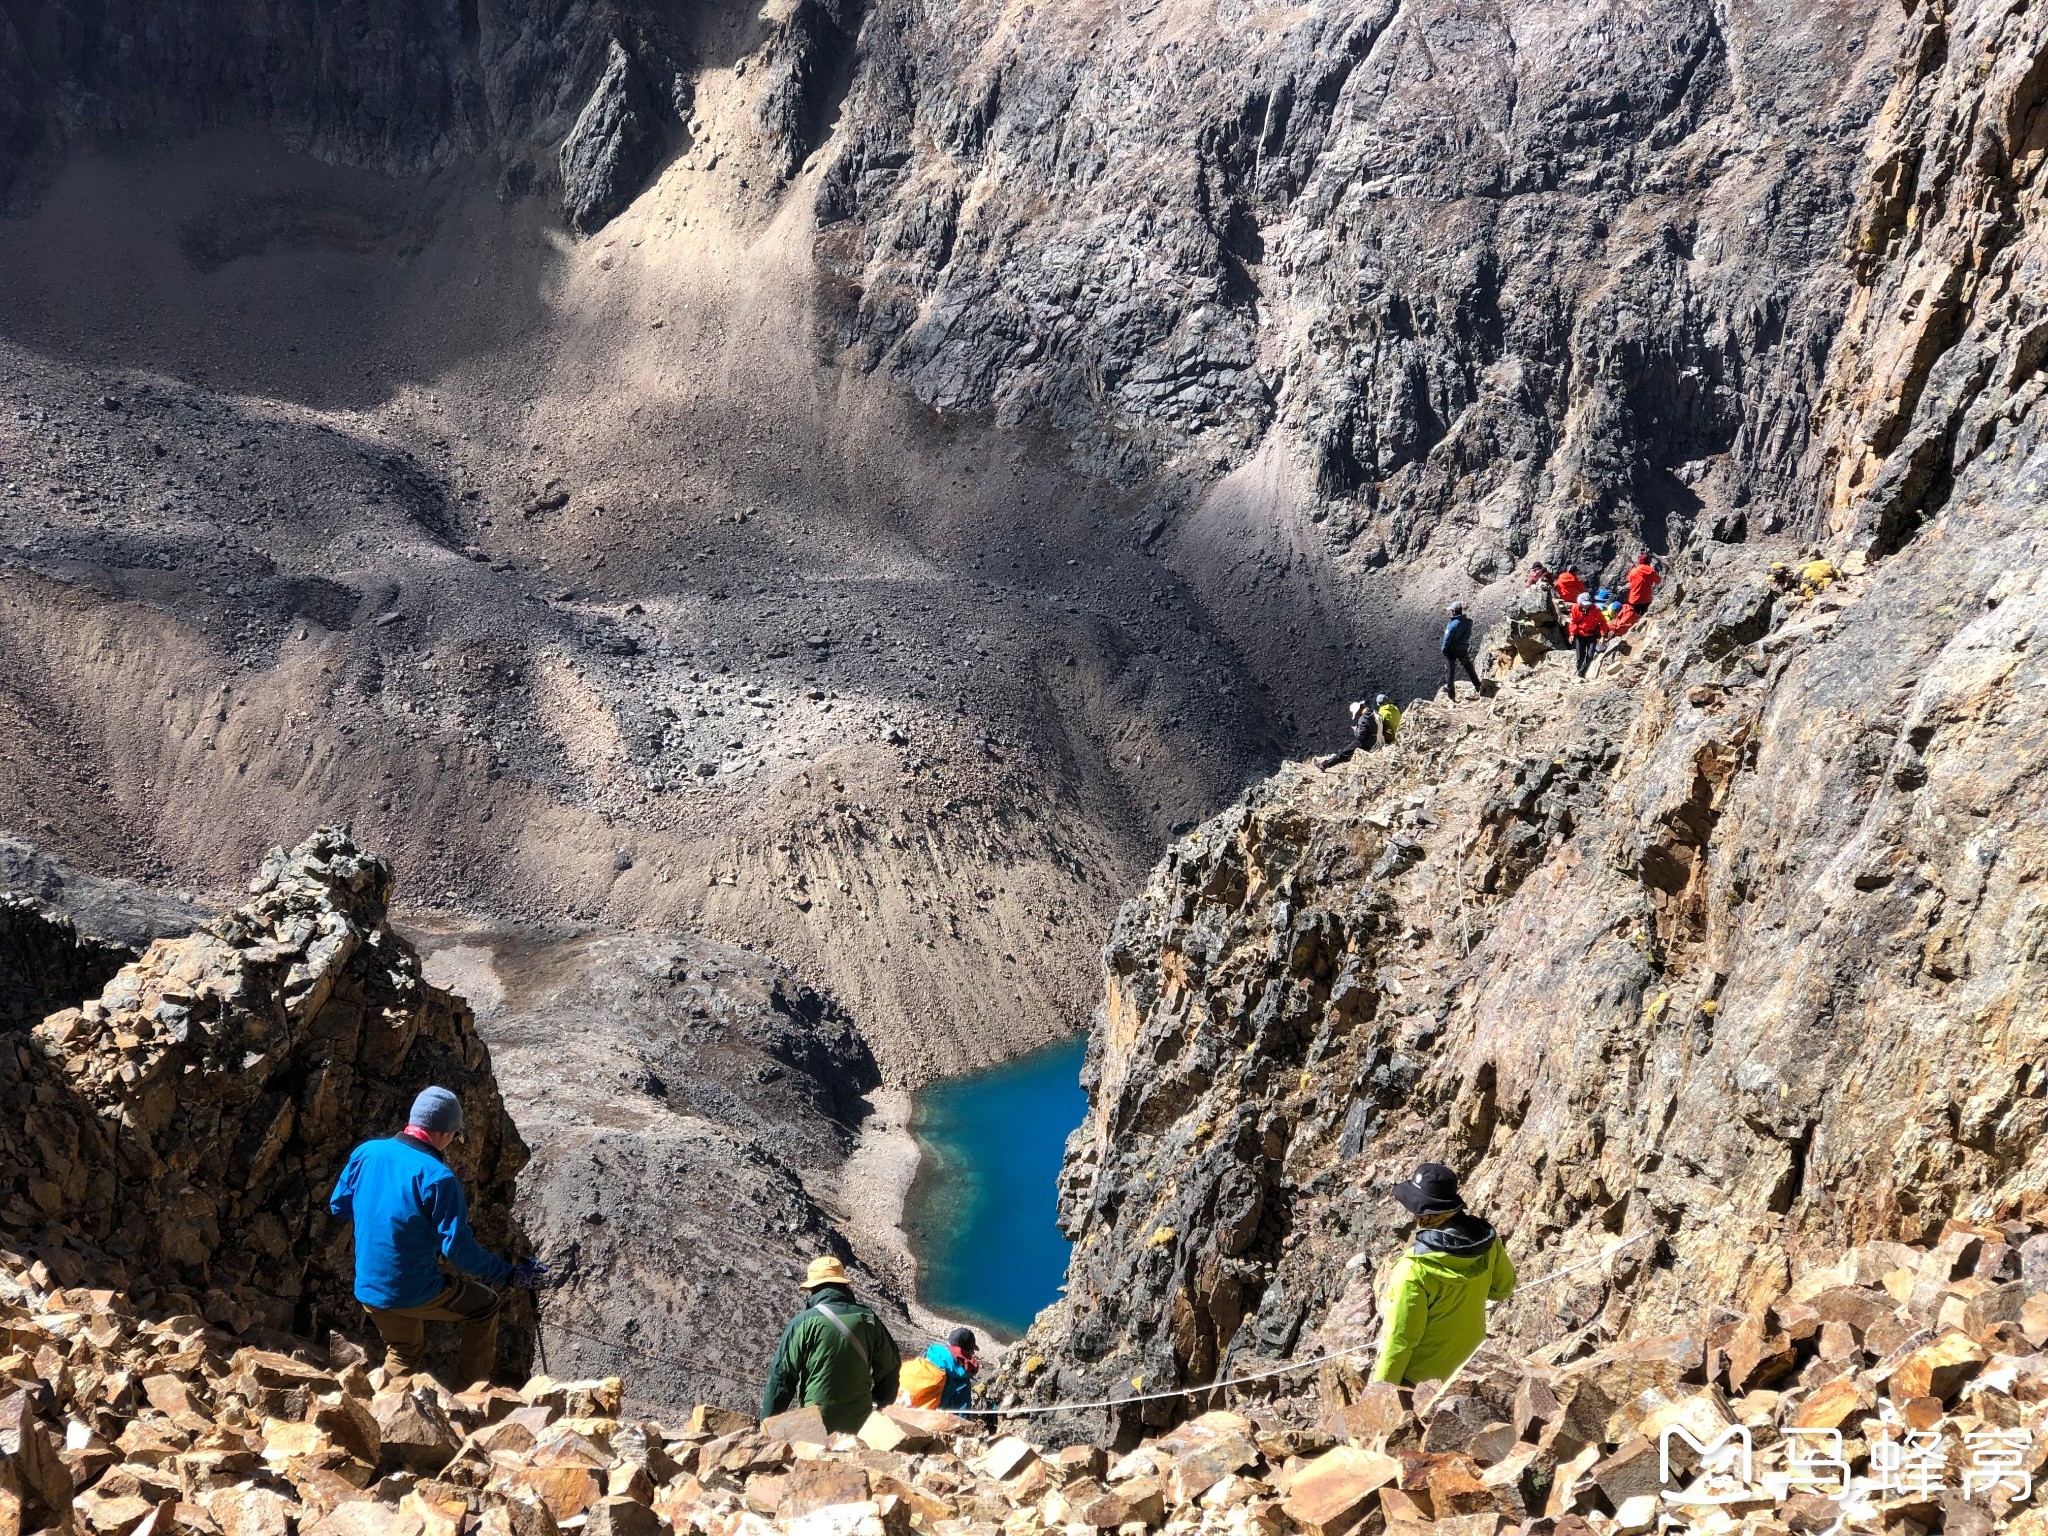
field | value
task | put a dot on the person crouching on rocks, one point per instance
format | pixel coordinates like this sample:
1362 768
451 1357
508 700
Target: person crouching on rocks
409 1212
1436 1298
835 1355
943 1376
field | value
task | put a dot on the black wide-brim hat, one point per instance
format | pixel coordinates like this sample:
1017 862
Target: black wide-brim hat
1433 1191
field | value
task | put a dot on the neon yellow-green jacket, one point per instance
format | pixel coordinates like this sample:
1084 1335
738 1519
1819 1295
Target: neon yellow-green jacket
1436 1300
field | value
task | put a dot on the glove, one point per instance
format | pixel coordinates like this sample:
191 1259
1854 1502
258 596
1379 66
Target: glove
529 1274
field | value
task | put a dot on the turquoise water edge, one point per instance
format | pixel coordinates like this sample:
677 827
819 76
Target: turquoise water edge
979 1214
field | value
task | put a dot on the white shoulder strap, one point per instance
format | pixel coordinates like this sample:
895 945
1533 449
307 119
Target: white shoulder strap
840 1323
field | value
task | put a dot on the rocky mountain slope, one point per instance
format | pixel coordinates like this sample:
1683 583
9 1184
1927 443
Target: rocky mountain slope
871 471
1737 946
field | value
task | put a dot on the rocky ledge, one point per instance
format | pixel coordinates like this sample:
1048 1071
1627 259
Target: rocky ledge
1896 1389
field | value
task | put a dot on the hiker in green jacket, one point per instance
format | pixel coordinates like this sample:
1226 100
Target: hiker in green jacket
1436 1299
835 1355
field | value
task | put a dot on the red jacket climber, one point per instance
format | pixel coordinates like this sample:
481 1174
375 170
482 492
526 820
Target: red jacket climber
1587 626
1569 587
1538 573
1643 581
1586 621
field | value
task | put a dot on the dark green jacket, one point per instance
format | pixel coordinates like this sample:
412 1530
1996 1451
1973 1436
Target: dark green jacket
817 1366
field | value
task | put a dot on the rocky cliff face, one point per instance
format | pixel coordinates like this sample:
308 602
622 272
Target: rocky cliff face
1942 345
1539 278
877 470
1739 946
229 1073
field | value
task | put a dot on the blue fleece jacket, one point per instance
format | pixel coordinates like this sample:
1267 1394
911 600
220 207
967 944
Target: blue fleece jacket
958 1392
408 1208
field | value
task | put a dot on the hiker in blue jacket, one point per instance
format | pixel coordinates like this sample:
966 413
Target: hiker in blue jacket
1457 651
409 1212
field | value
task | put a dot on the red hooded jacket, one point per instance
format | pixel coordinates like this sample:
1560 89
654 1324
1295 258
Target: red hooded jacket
1568 587
1643 581
1586 622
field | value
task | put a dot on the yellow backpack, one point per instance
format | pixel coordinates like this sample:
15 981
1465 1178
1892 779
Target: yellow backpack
919 1384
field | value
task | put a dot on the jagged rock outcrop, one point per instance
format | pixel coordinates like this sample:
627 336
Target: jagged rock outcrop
1947 326
1736 946
614 144
229 1073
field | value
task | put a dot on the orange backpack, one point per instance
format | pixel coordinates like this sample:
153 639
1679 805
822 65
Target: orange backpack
919 1384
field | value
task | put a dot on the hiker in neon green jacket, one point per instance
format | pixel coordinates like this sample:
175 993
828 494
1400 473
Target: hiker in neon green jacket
835 1355
1436 1298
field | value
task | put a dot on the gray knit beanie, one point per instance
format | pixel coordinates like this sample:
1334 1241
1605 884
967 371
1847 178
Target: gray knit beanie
437 1110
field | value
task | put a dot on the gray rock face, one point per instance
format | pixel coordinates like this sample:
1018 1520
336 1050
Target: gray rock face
400 86
1554 277
1947 324
46 964
1548 279
612 149
126 912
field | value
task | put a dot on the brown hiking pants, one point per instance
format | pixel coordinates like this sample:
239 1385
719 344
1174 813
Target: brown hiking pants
468 1302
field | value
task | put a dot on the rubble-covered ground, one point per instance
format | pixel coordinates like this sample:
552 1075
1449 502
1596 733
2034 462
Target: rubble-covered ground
1895 1390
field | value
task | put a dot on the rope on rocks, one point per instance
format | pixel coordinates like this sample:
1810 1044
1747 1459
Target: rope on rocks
1284 1370
1108 1402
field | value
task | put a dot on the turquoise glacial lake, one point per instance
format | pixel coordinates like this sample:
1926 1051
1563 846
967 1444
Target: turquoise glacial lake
980 1211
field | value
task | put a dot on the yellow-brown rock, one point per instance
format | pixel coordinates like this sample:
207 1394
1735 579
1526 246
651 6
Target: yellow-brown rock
1332 1494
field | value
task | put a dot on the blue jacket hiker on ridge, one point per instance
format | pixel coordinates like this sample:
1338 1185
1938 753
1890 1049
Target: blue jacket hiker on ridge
1456 649
409 1212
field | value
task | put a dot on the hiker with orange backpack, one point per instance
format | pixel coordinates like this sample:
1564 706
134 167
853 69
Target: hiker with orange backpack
943 1376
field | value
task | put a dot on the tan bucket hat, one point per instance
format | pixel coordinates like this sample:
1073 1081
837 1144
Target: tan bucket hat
825 1271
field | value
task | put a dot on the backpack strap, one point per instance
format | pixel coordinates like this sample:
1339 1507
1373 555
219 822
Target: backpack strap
845 1332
